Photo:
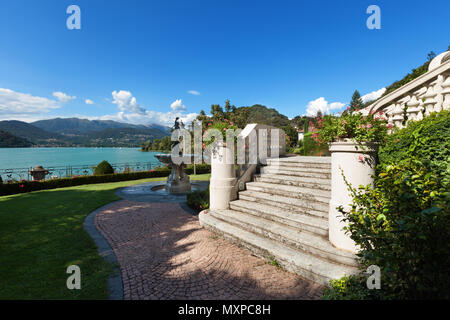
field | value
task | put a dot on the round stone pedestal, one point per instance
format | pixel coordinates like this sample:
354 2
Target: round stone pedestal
357 164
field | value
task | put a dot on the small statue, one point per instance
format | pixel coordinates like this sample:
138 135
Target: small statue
177 125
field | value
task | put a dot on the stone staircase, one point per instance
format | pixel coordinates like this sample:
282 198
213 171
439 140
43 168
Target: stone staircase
283 215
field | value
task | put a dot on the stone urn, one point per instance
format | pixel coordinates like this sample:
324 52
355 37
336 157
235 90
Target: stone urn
39 173
356 161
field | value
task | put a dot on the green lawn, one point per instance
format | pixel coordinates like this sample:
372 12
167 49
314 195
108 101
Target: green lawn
41 234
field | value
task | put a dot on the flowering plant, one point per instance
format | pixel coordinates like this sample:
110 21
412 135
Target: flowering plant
354 126
220 126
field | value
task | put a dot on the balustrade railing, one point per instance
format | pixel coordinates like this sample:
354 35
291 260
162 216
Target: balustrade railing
417 99
18 174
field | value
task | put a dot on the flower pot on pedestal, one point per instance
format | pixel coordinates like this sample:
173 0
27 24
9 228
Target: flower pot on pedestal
355 161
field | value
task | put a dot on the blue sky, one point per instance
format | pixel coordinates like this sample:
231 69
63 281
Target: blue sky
136 59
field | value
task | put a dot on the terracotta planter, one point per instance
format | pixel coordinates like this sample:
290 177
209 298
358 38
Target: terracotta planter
357 163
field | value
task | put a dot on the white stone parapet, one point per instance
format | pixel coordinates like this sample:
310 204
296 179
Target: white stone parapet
418 98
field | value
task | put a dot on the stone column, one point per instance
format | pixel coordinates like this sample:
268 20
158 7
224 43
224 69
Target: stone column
223 178
358 167
446 93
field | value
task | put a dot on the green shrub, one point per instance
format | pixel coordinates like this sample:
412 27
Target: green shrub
427 140
1 180
199 199
103 168
352 288
200 168
311 147
402 224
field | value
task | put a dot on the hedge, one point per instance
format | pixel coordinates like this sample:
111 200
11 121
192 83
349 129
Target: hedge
29 186
427 140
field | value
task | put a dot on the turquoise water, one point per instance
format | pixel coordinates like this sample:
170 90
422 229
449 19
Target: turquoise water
50 157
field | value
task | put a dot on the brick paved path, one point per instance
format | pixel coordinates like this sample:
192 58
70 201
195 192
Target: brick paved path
164 254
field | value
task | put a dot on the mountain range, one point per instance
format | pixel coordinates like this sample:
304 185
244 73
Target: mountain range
74 132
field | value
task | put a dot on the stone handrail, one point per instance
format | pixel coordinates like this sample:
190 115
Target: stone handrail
246 171
225 181
428 93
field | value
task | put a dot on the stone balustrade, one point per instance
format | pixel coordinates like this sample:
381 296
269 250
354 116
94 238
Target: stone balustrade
417 99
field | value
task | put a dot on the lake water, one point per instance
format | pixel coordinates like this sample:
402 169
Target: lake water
11 158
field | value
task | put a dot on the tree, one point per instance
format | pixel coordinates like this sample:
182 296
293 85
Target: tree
227 106
292 133
217 112
356 102
431 55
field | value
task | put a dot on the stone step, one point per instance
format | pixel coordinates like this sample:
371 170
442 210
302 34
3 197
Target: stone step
287 167
306 265
292 191
304 241
302 222
290 172
299 165
302 206
305 182
299 161
303 159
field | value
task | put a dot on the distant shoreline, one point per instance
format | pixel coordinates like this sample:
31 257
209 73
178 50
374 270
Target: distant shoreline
66 147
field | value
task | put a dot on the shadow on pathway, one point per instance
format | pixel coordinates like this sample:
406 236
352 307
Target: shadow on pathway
164 254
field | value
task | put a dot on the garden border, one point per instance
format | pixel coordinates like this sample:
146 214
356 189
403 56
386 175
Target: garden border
115 284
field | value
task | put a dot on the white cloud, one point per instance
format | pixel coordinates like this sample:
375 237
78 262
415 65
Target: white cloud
373 95
132 112
126 102
17 104
177 105
320 104
194 92
150 117
25 107
61 96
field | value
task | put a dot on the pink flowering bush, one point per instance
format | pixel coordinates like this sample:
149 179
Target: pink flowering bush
221 126
354 126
